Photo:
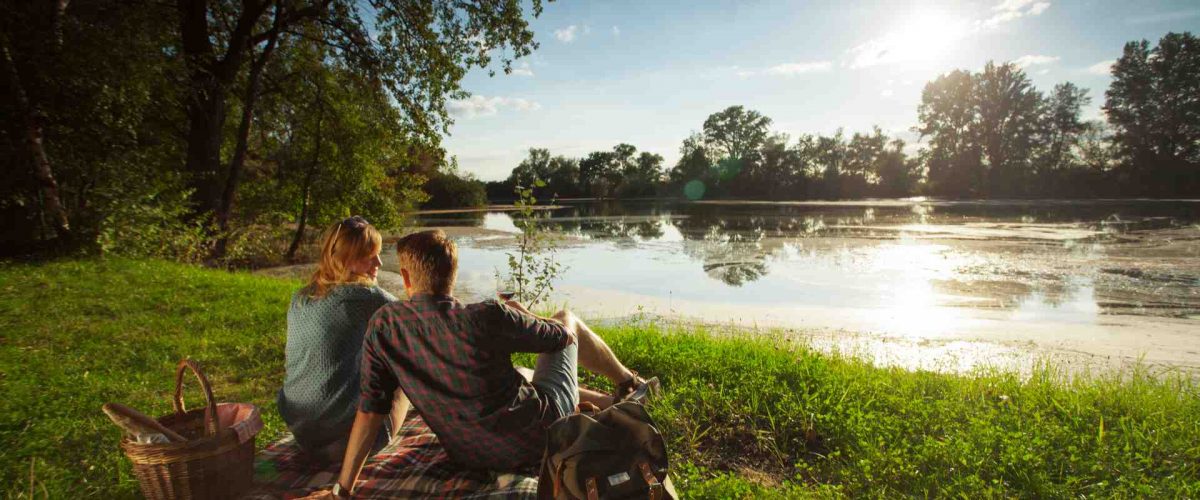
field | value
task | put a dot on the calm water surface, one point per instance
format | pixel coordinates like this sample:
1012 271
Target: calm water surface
907 268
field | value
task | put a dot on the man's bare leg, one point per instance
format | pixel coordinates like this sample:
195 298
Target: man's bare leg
594 354
400 405
600 399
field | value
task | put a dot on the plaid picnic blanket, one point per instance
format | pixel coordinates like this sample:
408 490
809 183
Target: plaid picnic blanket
414 464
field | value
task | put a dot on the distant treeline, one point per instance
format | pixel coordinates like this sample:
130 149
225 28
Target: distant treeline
986 134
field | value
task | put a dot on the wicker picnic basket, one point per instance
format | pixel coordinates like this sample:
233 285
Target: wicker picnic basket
213 463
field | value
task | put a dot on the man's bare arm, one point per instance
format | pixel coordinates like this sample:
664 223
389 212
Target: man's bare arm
362 435
518 306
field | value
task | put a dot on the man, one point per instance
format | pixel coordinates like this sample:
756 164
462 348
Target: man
453 361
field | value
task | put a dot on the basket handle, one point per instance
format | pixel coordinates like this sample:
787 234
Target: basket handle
211 423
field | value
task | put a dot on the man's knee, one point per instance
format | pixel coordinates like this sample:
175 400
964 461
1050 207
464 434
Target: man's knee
564 315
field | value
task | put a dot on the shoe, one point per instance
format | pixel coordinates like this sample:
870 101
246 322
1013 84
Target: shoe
637 389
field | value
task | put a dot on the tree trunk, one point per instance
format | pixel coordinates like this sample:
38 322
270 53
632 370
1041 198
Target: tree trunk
209 82
309 178
42 171
233 176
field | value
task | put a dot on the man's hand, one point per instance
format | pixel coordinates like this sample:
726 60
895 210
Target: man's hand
517 305
571 336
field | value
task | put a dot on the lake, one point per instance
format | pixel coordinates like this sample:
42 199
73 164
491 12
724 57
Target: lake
914 282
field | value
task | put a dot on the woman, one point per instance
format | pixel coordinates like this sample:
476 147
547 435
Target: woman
325 326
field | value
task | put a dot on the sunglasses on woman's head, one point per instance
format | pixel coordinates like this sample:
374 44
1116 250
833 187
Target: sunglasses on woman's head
355 221
352 222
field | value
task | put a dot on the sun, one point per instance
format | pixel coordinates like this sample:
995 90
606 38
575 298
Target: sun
921 38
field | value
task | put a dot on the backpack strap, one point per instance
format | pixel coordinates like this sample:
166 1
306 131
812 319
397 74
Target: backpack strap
656 488
592 492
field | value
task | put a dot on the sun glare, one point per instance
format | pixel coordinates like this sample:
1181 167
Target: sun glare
922 38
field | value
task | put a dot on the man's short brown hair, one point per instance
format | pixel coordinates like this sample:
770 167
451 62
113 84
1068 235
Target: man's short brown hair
431 260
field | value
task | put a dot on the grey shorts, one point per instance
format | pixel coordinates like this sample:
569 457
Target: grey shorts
556 379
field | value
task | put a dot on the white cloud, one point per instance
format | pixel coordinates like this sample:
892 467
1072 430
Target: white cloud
793 69
1011 10
1034 60
1008 5
522 70
887 93
566 35
616 31
478 105
1102 67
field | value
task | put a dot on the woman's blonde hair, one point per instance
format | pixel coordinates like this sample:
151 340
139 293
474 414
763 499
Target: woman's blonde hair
347 241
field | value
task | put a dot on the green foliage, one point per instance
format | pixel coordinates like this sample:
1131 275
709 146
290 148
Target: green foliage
992 134
746 414
1153 106
103 90
533 267
346 106
450 189
736 132
152 227
621 172
560 175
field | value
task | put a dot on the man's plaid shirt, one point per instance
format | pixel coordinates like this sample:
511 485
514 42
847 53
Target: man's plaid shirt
453 361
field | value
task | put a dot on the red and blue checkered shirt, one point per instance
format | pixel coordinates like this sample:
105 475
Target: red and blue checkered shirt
454 362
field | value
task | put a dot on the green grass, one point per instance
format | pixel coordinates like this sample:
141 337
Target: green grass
744 415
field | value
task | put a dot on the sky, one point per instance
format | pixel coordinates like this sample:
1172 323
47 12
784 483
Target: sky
649 73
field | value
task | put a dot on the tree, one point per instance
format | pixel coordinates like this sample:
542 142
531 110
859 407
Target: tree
563 177
1061 130
643 175
558 174
335 147
779 169
1009 110
1153 105
694 161
86 118
534 166
599 173
593 172
736 132
898 176
450 188
1063 125
948 116
864 152
419 50
828 155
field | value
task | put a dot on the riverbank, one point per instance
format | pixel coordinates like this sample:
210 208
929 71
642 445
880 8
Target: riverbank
744 415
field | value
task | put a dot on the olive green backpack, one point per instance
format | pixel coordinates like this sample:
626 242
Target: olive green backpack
610 454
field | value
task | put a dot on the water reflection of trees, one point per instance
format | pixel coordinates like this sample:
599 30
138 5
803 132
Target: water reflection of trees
735 244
